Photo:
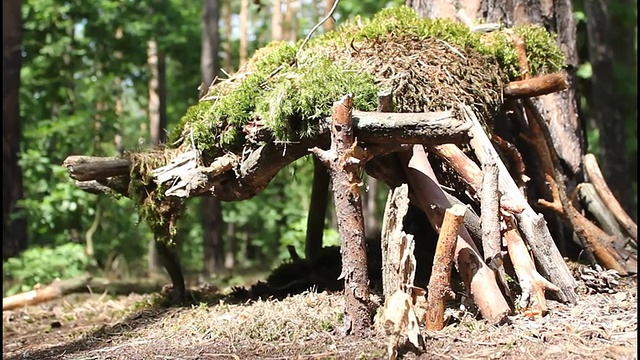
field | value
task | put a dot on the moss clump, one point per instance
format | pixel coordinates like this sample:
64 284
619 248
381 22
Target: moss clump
160 212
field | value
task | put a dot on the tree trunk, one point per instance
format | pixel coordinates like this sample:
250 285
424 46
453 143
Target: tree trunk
213 242
330 23
371 221
212 220
623 24
157 134
317 209
226 30
14 225
605 103
232 248
290 25
244 31
276 21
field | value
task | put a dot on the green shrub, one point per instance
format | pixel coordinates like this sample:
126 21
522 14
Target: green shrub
43 265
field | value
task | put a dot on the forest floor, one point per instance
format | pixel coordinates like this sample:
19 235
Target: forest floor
303 326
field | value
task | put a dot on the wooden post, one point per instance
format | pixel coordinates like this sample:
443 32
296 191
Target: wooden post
440 281
345 160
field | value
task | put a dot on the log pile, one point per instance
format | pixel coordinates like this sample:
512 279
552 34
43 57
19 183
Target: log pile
453 145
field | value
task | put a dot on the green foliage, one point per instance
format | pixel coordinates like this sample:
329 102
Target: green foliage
42 265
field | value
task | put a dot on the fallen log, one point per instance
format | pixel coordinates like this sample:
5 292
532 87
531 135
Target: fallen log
381 132
40 294
82 284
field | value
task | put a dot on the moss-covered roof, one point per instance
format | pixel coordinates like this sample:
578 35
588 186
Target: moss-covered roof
429 65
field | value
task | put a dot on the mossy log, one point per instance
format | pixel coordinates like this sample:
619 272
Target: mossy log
263 163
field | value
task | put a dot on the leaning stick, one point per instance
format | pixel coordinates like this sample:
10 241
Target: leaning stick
595 177
440 279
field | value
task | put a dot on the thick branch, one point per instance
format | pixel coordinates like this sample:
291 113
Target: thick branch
541 85
439 282
95 168
384 132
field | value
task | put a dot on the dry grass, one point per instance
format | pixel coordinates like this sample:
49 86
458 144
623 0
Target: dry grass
600 326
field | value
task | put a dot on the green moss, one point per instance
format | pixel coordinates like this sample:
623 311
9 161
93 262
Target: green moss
543 53
294 105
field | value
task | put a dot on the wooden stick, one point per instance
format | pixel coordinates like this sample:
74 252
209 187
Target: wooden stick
344 167
552 264
540 85
439 282
479 280
597 179
533 285
521 54
455 158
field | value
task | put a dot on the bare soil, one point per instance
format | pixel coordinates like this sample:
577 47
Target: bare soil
305 326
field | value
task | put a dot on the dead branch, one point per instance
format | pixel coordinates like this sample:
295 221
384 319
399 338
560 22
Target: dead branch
552 264
85 168
521 54
479 280
440 280
380 132
597 179
344 161
532 284
456 159
540 85
39 295
490 220
596 241
82 284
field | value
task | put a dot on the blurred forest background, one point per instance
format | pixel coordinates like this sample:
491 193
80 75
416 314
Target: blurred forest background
106 76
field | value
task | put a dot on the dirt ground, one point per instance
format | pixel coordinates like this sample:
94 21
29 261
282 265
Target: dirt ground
303 326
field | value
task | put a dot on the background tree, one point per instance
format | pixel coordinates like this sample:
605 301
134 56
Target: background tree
613 88
14 233
212 220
